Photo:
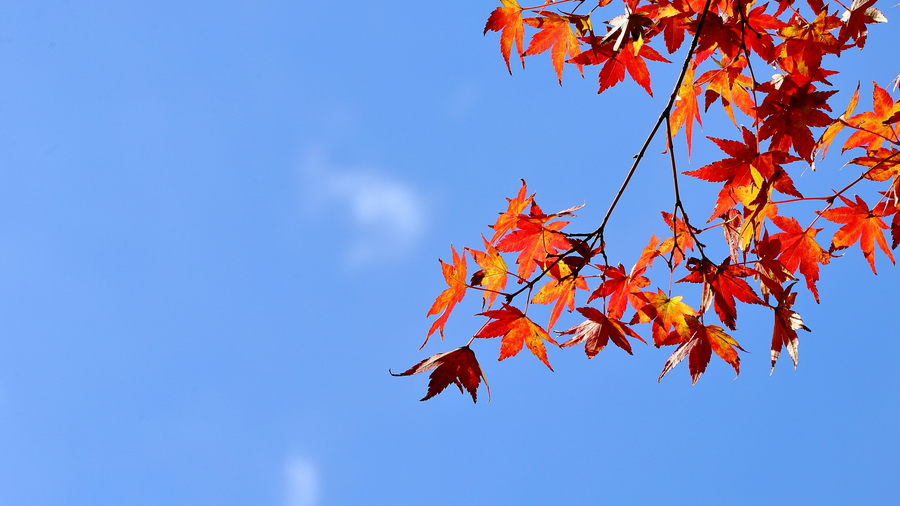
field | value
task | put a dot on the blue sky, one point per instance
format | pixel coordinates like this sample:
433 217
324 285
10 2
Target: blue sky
219 225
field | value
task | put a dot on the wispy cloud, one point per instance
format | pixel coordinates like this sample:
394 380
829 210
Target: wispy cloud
301 479
380 217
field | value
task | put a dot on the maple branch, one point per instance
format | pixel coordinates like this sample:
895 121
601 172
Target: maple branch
678 203
548 4
662 117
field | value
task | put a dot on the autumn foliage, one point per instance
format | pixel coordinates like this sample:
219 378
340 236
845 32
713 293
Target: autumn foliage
783 126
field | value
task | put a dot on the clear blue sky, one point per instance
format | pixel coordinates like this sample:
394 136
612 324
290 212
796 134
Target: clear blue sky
219 226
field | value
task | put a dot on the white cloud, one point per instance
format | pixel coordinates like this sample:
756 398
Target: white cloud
301 479
386 216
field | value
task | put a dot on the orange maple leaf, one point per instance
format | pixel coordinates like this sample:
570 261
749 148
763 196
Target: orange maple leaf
731 85
560 291
508 219
861 225
873 128
799 250
686 109
668 317
508 21
704 339
517 330
455 276
805 43
458 367
492 275
556 35
597 331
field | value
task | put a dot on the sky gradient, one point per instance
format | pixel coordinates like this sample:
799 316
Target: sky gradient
220 225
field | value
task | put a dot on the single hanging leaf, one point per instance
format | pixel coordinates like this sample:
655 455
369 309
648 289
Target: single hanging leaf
787 323
455 276
861 225
458 367
704 340
516 330
508 21
597 331
854 21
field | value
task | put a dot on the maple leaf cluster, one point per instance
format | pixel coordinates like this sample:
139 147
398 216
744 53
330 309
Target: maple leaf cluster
783 126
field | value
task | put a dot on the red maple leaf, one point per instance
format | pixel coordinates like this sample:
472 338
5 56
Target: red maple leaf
733 34
722 284
619 288
672 19
458 367
597 331
704 339
455 276
854 21
787 323
508 21
517 330
799 250
790 108
747 165
772 273
883 163
861 225
629 58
